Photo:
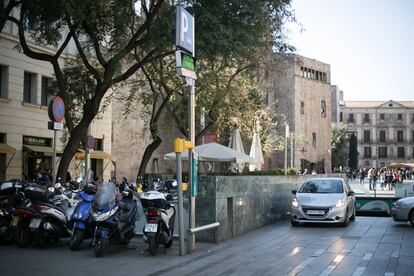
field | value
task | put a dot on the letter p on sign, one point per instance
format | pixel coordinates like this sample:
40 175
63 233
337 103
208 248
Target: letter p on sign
184 37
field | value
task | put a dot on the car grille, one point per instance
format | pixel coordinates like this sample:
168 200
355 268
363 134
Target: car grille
317 212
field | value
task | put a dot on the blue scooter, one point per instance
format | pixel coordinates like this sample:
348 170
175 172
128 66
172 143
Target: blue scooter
114 213
83 223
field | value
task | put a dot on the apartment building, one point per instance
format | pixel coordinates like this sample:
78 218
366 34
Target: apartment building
384 130
25 140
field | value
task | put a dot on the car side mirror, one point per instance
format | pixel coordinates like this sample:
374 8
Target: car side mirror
294 192
351 193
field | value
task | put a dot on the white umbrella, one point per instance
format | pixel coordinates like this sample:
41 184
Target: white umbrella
214 152
236 143
256 153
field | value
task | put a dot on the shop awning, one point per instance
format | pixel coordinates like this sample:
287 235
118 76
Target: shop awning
96 154
4 148
41 149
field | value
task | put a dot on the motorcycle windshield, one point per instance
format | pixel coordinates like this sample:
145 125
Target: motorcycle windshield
105 195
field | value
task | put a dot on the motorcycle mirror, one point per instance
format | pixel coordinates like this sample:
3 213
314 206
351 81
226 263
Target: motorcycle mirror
58 185
80 179
51 189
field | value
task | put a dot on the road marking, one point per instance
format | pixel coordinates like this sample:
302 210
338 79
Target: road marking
367 257
328 270
295 251
395 254
359 271
298 268
318 252
389 274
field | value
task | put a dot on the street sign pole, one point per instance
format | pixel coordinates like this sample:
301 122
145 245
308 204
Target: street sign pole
54 159
180 204
191 161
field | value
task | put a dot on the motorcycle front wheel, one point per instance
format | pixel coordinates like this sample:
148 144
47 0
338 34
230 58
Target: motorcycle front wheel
76 239
101 245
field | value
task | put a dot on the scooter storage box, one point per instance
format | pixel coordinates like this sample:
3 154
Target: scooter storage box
36 192
156 203
10 187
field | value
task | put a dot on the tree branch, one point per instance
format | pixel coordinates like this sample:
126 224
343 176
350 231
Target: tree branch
4 15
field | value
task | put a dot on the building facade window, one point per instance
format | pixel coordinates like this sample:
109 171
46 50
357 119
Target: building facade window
323 108
341 116
302 108
401 152
2 138
98 145
367 152
382 116
314 140
366 118
382 136
412 137
4 81
45 91
351 118
400 136
367 136
382 152
399 116
313 74
29 88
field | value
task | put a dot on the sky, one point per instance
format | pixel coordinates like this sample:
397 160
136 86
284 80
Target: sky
368 43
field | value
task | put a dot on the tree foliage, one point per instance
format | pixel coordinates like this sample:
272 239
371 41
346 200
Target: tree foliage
338 145
353 152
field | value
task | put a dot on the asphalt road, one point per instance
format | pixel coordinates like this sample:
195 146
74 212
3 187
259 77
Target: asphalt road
368 246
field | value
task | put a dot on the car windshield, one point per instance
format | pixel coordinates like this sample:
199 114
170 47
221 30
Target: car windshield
322 186
105 195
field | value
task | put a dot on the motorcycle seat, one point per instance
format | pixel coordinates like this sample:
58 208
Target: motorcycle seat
51 205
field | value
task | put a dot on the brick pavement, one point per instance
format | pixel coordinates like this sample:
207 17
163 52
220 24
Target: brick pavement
369 246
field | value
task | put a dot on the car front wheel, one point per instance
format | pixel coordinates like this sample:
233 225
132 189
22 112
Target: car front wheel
411 217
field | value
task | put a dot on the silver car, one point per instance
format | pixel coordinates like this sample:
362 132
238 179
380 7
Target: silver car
327 200
403 210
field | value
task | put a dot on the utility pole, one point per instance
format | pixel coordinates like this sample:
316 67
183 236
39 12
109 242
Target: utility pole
286 143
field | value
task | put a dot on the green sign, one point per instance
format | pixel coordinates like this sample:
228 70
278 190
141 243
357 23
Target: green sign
194 178
188 62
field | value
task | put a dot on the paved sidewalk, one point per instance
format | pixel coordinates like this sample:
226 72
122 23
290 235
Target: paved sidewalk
369 246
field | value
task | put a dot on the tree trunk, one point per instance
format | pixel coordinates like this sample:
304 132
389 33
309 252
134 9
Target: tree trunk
75 139
148 153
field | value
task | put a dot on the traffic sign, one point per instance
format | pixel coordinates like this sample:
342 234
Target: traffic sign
55 125
56 109
184 36
90 142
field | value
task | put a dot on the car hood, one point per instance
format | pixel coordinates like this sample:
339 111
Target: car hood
318 199
407 200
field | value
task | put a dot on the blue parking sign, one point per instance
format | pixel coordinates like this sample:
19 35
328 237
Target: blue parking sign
184 36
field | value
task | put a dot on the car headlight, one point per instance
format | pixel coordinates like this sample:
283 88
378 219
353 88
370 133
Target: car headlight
340 203
104 216
295 202
399 204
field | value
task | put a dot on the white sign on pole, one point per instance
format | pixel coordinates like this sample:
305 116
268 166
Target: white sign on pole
57 126
184 36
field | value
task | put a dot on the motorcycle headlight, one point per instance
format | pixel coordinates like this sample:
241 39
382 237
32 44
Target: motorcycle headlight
340 203
295 202
104 216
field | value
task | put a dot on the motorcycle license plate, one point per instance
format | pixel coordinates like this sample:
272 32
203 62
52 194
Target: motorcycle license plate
34 223
15 221
315 212
150 227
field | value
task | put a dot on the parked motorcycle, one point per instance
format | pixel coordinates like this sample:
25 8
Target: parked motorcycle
83 224
11 194
160 216
49 223
115 214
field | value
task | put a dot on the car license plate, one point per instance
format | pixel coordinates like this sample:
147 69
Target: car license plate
34 223
15 221
315 212
151 227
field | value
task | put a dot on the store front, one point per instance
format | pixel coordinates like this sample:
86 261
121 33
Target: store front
4 160
37 157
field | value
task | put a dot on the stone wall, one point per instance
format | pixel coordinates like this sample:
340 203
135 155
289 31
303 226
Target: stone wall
243 203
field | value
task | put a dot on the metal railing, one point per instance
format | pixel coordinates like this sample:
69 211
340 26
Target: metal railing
192 231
